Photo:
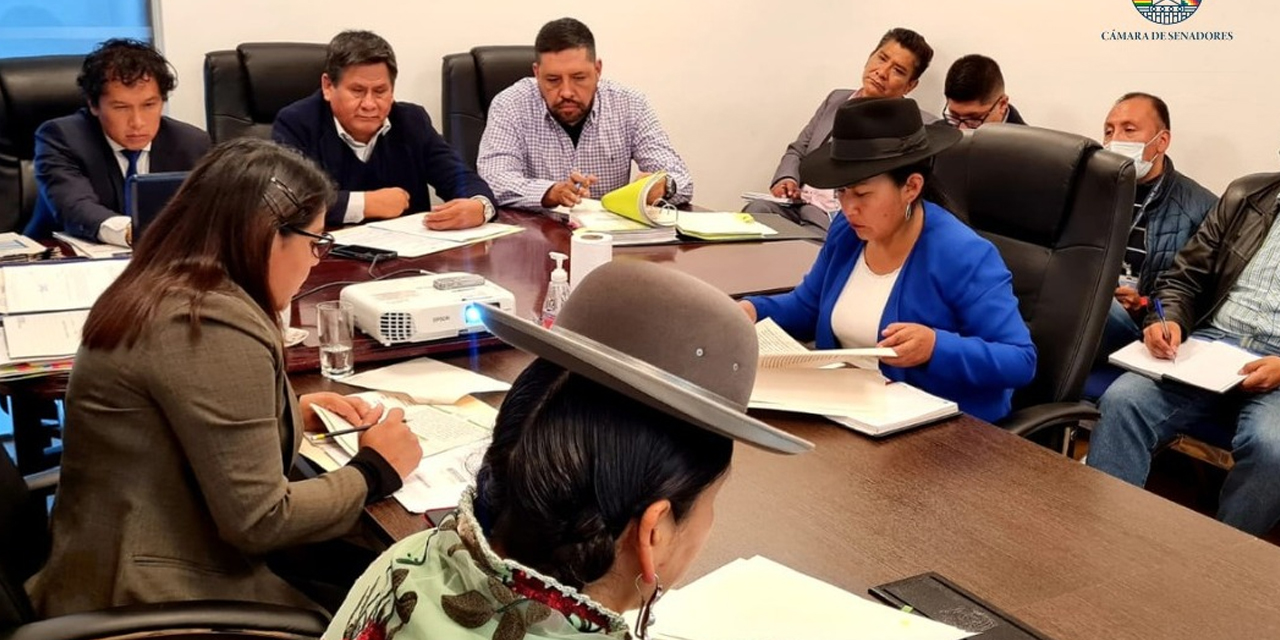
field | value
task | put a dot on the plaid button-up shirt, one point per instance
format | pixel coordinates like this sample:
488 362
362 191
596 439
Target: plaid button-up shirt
1251 311
525 151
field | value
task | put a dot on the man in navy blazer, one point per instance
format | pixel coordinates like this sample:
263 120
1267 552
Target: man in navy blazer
82 160
381 153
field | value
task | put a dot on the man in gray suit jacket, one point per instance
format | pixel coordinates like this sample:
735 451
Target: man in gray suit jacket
892 71
82 160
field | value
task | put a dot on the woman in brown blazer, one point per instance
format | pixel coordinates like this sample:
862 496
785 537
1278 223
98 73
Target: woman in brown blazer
181 424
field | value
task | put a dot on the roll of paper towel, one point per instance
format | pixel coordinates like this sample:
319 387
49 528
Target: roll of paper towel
586 252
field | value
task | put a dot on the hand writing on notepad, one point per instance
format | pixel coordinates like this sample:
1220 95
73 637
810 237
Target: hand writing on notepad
459 213
1263 375
913 342
393 440
1157 344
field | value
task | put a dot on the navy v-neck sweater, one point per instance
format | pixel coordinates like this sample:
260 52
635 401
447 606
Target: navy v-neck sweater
410 155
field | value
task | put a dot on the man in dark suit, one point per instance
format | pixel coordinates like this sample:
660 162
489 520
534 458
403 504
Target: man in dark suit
383 154
82 160
975 94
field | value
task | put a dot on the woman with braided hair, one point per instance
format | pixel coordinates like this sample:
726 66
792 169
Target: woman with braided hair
598 489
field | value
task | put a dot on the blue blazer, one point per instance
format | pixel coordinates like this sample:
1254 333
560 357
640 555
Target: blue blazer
410 155
953 282
78 178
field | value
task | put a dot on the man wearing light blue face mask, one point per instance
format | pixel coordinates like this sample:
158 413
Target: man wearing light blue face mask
1168 207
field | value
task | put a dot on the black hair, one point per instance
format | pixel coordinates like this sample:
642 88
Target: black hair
358 48
913 42
564 34
974 78
126 61
1162 109
573 463
931 191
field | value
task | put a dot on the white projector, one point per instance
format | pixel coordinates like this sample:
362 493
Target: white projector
424 308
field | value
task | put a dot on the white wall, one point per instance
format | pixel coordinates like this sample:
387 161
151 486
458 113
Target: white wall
735 81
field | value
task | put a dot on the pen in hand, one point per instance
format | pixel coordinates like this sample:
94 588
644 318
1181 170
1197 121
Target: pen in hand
321 437
1164 329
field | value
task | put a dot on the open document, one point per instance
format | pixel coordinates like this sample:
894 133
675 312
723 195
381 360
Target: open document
759 599
1201 363
452 448
427 381
779 350
857 396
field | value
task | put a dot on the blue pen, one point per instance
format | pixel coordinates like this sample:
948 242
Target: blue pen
1164 327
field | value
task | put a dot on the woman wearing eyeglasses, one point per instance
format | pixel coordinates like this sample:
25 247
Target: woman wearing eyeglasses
181 425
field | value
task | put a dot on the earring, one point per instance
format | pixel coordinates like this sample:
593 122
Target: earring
645 617
906 215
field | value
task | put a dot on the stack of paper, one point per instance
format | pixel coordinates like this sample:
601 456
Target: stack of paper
409 238
1202 363
590 215
90 249
761 599
721 226
454 439
858 397
44 306
19 248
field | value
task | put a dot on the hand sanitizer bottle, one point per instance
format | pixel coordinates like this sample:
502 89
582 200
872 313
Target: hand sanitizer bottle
557 290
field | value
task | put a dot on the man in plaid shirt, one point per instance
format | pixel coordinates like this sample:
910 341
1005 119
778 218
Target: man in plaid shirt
566 133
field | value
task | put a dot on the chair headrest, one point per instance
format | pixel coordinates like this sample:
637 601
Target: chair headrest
498 67
277 74
1035 206
33 90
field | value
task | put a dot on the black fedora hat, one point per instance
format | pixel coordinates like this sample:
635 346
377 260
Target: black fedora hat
871 136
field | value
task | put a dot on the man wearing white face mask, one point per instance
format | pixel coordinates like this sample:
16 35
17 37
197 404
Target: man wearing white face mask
1168 207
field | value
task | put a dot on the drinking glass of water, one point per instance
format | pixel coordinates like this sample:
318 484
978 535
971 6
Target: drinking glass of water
336 331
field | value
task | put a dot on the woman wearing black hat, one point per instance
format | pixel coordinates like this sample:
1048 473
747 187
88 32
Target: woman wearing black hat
597 492
900 271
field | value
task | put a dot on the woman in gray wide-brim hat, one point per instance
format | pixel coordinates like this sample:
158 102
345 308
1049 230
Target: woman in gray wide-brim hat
597 492
898 270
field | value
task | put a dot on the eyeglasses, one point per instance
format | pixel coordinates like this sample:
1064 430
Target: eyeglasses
969 122
321 243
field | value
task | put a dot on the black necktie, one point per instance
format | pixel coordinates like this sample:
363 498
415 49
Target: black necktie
132 156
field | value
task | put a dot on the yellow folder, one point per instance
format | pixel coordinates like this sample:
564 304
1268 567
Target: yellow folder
630 201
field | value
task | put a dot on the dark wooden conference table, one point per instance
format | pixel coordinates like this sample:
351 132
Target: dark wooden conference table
1071 551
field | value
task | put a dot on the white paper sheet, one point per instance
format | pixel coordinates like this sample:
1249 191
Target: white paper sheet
406 245
53 286
43 335
1209 365
440 478
427 381
759 599
779 350
412 224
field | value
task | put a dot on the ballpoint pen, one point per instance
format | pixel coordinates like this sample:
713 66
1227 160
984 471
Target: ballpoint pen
320 437
1164 328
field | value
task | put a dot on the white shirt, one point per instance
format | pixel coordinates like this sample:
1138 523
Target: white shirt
355 202
113 229
855 319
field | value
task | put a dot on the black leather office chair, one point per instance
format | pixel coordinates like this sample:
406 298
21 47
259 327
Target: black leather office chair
471 80
24 545
246 87
32 90
1057 208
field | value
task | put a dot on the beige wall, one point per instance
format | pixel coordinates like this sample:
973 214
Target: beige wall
735 81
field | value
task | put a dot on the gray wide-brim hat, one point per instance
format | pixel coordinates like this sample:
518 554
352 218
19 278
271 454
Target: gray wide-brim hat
871 136
661 337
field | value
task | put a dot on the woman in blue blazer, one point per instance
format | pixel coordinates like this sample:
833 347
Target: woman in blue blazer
900 271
